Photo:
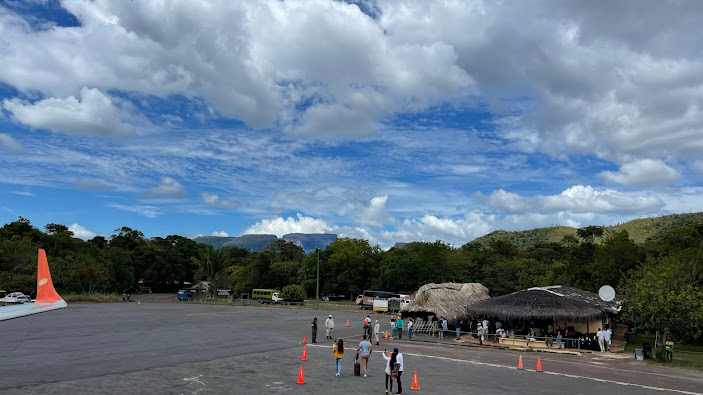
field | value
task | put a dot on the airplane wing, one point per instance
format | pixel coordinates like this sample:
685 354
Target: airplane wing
47 297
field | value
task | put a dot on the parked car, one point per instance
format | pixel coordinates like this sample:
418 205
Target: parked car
16 297
184 295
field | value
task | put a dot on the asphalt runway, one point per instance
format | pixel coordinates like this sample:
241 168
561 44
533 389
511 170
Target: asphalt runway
171 348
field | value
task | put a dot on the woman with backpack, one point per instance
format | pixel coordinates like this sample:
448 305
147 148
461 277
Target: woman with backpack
391 368
338 351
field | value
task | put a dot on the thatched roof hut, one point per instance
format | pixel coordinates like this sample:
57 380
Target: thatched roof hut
445 300
545 302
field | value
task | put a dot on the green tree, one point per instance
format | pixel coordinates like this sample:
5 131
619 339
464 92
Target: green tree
212 264
293 293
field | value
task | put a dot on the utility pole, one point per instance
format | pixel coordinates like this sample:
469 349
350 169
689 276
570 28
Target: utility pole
317 289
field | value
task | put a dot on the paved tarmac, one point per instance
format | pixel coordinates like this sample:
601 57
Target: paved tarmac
172 348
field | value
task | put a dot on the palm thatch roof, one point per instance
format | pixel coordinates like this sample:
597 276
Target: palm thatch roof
545 302
445 300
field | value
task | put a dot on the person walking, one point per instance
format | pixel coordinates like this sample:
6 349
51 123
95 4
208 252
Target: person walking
377 332
329 326
669 347
400 364
338 352
601 339
410 328
399 327
457 325
365 348
314 330
606 339
367 326
391 369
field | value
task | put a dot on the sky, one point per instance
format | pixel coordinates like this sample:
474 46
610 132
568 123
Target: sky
391 121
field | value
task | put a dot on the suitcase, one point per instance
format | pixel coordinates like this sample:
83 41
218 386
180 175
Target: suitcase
357 365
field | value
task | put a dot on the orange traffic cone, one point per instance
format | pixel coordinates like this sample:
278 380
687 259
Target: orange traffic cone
519 365
305 339
270 308
539 365
376 315
305 354
301 377
348 323
416 384
296 310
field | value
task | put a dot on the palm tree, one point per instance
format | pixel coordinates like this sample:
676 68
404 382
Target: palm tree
212 264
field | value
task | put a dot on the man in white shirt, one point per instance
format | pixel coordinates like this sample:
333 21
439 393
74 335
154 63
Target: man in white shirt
329 326
400 362
601 339
606 339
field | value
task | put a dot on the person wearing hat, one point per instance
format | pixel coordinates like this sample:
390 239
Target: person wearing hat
669 346
377 331
329 325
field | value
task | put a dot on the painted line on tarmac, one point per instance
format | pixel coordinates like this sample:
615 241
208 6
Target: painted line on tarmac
562 374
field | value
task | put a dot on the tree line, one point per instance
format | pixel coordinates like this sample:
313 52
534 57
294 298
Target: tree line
660 282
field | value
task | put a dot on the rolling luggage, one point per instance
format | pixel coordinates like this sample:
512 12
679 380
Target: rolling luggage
357 365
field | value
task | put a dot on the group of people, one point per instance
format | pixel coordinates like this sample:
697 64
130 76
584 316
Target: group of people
393 368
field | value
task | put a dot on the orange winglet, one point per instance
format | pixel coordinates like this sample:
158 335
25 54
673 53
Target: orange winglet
45 287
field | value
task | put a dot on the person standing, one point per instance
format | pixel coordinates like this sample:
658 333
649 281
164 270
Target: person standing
601 339
445 327
391 368
399 327
558 337
435 323
367 326
485 329
365 348
329 326
338 352
480 335
392 326
457 325
314 330
377 332
400 364
669 347
410 328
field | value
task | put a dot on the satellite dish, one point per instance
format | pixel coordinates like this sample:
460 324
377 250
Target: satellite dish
606 293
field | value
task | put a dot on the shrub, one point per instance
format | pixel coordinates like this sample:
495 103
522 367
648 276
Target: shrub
293 293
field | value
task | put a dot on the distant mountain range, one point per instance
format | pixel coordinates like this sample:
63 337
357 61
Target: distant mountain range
256 243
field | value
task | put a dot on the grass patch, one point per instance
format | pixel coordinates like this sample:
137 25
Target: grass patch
92 298
685 356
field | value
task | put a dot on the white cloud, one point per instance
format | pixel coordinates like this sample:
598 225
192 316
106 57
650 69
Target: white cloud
280 226
643 172
10 143
214 200
219 233
373 213
144 211
93 114
23 193
168 187
81 232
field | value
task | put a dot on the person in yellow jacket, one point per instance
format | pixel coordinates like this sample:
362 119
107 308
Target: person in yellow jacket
338 351
669 346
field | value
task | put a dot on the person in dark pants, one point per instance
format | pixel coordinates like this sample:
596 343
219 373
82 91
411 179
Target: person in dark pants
314 330
399 361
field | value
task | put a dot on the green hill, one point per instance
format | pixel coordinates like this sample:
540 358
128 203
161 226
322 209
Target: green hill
640 231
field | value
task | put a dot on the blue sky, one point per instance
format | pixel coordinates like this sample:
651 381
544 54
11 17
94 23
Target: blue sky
390 121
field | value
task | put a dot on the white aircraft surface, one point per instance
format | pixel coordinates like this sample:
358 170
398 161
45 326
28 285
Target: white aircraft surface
47 297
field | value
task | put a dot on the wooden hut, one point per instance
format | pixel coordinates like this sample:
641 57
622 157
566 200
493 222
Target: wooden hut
556 305
445 300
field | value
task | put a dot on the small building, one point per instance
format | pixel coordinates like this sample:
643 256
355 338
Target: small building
554 305
444 300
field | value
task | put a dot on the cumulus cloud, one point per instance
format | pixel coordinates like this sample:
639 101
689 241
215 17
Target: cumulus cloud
168 188
373 212
643 172
214 200
81 232
91 114
144 211
219 233
10 144
280 226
